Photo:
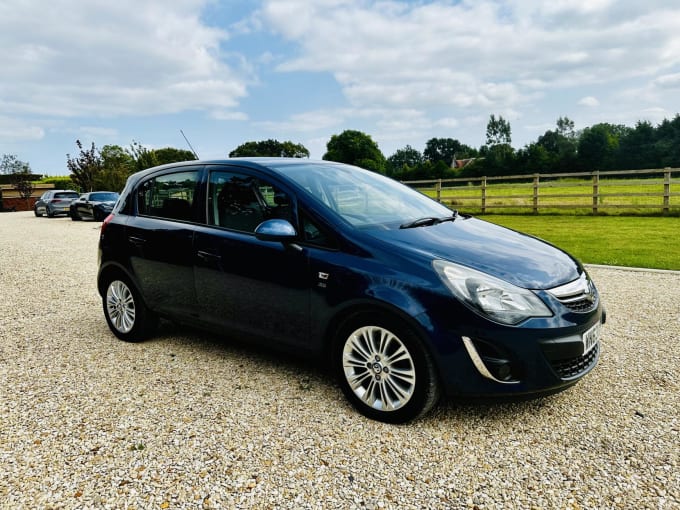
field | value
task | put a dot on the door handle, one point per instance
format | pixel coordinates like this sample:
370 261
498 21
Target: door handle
137 241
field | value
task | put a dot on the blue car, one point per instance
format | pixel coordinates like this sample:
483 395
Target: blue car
403 299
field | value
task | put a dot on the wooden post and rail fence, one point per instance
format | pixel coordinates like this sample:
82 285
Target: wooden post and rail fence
593 192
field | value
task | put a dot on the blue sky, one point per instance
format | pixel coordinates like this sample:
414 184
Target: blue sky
230 71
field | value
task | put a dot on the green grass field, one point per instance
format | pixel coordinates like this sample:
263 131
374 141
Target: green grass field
634 241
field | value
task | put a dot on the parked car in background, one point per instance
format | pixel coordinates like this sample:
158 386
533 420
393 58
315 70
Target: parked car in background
54 202
95 205
400 297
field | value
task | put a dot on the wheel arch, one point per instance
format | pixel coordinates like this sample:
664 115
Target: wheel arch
109 271
377 306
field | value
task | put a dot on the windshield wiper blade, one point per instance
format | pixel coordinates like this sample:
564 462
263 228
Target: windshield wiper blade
429 220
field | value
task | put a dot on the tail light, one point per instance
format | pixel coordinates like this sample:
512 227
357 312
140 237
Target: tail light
106 221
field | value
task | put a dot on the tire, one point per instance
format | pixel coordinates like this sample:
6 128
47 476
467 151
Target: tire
75 216
50 214
383 368
35 211
98 215
126 314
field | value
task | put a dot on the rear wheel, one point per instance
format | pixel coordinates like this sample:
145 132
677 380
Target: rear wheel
384 369
125 312
50 214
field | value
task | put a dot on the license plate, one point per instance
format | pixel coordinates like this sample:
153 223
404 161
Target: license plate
591 338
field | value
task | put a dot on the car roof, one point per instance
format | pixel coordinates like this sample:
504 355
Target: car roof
262 163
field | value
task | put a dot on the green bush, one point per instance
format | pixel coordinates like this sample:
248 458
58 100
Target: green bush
60 183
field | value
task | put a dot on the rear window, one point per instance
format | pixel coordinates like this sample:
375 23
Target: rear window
66 195
104 197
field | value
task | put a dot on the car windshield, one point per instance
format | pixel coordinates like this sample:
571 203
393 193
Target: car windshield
104 197
66 195
363 198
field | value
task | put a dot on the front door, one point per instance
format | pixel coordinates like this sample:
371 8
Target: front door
242 283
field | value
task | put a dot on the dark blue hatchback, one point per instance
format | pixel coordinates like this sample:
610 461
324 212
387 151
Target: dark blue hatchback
405 298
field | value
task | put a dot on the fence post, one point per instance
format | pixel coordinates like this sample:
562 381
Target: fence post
666 189
535 193
596 190
483 194
439 190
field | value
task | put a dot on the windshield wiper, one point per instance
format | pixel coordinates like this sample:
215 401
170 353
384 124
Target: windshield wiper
429 220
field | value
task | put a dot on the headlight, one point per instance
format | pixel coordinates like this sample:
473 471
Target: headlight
491 297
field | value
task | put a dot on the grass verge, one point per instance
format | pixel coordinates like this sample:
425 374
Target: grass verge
651 242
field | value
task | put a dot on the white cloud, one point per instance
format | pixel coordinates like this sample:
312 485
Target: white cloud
12 130
469 58
70 58
228 115
589 101
668 81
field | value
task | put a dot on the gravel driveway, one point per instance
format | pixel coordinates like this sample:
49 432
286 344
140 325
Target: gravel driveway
189 420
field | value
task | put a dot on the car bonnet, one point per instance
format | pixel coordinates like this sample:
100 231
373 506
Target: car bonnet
517 258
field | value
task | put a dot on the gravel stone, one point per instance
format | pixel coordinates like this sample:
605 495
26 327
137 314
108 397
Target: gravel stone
192 420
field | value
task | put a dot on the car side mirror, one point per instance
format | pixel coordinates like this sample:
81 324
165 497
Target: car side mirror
275 230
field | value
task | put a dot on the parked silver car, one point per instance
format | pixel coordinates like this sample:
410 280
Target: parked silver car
55 201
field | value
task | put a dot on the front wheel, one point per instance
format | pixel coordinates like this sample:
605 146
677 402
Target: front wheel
35 211
126 314
75 216
384 369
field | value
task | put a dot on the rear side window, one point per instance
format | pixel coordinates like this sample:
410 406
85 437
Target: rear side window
168 196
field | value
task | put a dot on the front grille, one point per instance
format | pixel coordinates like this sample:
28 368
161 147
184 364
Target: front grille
573 367
578 296
581 305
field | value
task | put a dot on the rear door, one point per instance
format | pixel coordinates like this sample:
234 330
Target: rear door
242 283
161 239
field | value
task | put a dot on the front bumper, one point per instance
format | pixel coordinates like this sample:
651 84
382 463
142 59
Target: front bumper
477 358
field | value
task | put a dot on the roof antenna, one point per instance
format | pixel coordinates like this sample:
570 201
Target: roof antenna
189 144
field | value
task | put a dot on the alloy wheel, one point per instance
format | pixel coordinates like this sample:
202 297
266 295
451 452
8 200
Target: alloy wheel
379 368
120 306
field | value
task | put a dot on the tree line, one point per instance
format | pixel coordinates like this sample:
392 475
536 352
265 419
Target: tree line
601 147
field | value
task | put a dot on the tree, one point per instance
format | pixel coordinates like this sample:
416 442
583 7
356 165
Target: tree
637 148
598 146
172 155
442 149
270 148
11 164
498 131
85 168
117 165
559 146
144 158
565 127
402 160
355 148
20 174
668 142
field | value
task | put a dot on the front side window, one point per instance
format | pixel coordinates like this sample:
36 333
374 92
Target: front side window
241 202
168 196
